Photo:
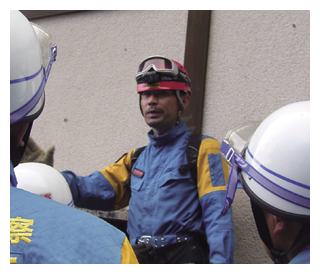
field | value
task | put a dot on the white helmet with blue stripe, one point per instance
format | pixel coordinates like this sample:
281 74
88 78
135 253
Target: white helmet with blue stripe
272 161
31 57
279 150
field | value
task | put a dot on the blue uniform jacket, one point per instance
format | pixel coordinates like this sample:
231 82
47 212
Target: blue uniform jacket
44 231
302 258
164 203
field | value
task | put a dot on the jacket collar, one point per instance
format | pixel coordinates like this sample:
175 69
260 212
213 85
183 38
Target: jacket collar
178 130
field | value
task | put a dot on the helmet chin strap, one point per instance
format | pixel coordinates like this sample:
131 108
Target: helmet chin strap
181 105
181 109
279 257
300 241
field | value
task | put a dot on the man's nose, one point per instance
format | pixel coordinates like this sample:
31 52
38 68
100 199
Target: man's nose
153 99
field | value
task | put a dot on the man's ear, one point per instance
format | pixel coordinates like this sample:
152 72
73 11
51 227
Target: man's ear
280 225
185 100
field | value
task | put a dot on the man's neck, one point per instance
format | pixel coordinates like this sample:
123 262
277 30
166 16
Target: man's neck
158 133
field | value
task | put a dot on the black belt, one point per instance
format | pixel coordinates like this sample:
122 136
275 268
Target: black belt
161 241
187 251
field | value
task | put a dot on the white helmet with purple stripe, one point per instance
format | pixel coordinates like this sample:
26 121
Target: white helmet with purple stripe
279 150
272 161
31 56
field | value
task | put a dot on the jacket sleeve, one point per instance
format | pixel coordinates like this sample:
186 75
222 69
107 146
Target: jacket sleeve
104 189
212 180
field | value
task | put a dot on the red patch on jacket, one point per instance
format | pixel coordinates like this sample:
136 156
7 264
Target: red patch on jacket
138 173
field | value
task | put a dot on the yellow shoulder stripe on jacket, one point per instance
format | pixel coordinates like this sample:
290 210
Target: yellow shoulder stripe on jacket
118 174
212 178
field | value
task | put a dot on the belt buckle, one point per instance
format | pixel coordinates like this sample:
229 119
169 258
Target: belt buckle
146 238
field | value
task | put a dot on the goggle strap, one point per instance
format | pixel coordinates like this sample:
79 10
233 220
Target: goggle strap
236 159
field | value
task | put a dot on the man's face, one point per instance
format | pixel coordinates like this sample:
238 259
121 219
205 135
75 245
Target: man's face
160 109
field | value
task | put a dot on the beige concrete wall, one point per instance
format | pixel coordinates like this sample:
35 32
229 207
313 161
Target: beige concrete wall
92 113
258 61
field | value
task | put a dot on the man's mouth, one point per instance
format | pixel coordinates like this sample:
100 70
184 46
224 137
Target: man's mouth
154 112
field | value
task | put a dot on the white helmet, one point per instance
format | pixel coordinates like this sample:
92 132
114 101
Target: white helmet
280 151
43 180
30 65
275 165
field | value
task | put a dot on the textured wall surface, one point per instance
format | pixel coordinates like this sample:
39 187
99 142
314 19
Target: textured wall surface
258 62
92 113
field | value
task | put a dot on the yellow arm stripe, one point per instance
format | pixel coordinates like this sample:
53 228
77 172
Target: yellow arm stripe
205 184
13 260
118 174
127 254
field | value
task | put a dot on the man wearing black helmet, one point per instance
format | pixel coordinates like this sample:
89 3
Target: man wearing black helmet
172 218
